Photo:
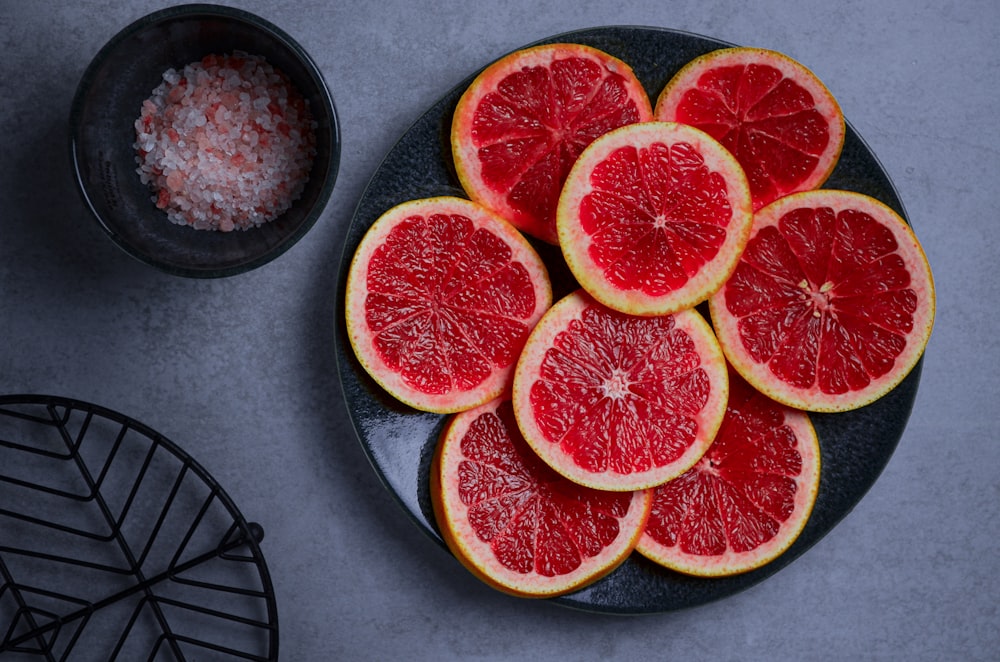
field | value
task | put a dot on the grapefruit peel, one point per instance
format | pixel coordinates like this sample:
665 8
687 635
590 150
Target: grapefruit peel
653 217
775 115
827 338
514 523
441 295
747 499
524 120
622 412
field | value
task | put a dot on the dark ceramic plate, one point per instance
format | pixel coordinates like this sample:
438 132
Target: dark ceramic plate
399 441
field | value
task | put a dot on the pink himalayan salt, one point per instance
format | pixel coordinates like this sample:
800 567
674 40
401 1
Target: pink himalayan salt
225 144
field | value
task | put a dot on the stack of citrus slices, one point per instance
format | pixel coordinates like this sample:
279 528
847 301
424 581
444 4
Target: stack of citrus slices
618 419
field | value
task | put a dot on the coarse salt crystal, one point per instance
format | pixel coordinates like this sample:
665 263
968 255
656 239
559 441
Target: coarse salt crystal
225 144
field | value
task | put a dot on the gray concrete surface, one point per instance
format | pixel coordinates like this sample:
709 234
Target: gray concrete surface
241 371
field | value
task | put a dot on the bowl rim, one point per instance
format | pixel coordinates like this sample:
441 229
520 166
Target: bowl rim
195 11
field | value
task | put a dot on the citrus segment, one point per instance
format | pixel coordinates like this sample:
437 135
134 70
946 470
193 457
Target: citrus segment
653 217
746 500
515 523
615 401
526 118
832 303
776 117
441 296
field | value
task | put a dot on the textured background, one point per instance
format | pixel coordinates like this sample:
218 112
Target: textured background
241 371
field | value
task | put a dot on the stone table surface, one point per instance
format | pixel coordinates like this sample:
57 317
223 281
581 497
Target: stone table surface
241 371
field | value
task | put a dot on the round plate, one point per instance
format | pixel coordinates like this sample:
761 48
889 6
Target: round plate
399 441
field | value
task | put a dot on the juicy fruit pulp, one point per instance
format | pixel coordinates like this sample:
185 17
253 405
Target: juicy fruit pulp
779 121
746 500
441 297
616 401
525 119
653 217
515 523
831 305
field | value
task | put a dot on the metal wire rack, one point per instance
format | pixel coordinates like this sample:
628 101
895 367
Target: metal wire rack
116 545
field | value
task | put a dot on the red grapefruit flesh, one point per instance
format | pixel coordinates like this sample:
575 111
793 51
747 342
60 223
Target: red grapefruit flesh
746 500
776 117
653 217
526 118
441 296
832 303
516 524
615 401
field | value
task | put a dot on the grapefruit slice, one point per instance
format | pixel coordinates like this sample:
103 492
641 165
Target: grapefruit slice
746 500
516 524
619 402
653 217
782 124
441 296
832 302
524 120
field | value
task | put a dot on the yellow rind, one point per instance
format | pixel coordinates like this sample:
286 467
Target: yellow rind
447 521
464 152
356 291
576 244
541 339
738 563
686 79
922 278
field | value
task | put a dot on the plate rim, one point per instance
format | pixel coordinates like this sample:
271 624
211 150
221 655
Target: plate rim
578 600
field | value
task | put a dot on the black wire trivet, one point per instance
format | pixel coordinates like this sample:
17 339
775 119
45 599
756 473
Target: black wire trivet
116 545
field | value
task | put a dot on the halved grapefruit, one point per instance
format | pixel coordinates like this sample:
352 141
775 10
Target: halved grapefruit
441 296
653 217
832 302
746 500
524 120
776 117
615 401
516 524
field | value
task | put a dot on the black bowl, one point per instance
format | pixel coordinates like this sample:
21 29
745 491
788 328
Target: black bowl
108 101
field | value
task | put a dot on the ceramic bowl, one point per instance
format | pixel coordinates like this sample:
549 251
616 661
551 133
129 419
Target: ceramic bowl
108 102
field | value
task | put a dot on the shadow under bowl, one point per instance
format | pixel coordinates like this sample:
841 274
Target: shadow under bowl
109 99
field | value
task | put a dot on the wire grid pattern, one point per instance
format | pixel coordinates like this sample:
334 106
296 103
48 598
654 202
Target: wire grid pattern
116 545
